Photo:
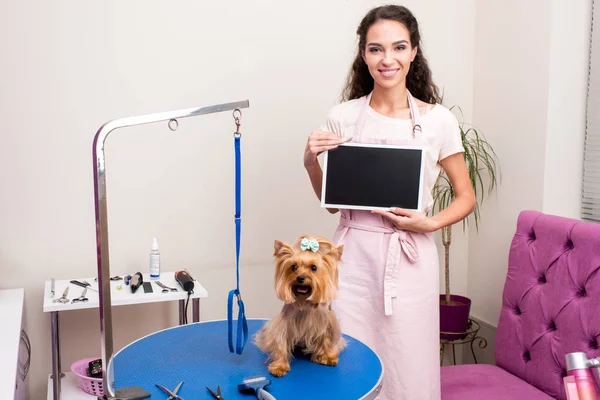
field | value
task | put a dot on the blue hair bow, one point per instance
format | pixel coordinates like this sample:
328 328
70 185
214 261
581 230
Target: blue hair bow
311 245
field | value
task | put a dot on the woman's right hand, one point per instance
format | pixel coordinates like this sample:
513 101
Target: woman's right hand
318 142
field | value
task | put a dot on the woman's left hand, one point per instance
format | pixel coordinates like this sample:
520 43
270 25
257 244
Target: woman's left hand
408 220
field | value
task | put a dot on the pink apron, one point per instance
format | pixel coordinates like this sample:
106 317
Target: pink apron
389 289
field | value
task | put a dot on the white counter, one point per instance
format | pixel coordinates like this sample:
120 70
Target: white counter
11 315
118 297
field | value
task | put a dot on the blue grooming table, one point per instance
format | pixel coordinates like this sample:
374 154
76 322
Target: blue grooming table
198 354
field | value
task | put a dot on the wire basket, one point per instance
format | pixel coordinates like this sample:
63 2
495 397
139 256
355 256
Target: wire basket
89 385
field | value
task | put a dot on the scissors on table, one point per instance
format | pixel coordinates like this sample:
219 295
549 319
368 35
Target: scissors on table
173 394
63 299
216 395
81 298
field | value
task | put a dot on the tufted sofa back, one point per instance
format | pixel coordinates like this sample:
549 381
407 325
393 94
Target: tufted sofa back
551 299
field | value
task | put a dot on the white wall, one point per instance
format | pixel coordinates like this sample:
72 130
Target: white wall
567 94
529 100
68 67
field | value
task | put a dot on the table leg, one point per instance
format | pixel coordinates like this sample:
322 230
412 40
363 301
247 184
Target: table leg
196 310
56 371
453 355
441 354
181 311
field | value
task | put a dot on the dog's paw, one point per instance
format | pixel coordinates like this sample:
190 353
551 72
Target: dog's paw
278 369
326 360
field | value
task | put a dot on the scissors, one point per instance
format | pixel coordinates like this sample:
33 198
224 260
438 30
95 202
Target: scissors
62 299
173 394
216 395
81 298
165 288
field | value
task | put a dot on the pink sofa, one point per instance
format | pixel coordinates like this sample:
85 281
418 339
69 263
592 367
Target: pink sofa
550 307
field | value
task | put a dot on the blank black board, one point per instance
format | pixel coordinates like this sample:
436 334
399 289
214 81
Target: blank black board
371 176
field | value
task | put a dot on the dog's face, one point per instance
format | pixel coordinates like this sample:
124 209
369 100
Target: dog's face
308 271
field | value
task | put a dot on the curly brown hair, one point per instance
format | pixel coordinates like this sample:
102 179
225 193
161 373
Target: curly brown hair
418 81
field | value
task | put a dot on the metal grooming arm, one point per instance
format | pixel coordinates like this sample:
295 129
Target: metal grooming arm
106 326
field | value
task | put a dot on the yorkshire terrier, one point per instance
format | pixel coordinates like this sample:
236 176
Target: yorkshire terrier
306 279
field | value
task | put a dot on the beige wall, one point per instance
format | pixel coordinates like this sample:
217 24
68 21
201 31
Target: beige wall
68 67
529 99
567 91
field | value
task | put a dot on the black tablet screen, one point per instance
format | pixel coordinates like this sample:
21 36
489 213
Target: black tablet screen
373 177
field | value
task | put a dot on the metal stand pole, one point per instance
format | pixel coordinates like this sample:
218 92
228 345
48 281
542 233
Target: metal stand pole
101 212
56 371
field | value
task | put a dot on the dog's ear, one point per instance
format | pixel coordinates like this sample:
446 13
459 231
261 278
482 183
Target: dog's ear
340 250
282 253
326 248
282 249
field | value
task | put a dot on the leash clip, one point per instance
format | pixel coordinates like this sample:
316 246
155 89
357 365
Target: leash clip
237 118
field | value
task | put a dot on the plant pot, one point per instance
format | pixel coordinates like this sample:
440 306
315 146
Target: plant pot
454 317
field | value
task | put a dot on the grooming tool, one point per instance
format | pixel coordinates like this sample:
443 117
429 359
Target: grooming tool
132 393
62 299
188 272
81 298
217 394
95 368
136 281
148 287
127 280
185 280
165 288
256 385
172 394
52 288
83 284
114 278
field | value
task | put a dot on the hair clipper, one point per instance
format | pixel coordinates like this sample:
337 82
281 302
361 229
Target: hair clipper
185 280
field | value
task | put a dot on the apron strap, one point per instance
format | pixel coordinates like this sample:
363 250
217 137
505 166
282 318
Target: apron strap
400 242
414 115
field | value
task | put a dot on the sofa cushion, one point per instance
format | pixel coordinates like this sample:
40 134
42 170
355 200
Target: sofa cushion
550 300
485 382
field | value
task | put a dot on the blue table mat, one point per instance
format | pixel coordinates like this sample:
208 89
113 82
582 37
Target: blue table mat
198 354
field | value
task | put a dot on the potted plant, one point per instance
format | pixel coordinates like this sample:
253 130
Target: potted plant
481 161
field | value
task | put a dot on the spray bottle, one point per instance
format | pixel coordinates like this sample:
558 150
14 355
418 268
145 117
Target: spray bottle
154 260
579 370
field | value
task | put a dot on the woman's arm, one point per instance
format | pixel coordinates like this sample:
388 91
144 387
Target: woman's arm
464 197
462 205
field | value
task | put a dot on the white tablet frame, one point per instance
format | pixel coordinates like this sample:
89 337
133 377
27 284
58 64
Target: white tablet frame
388 146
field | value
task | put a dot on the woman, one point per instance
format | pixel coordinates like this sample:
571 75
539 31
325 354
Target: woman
389 276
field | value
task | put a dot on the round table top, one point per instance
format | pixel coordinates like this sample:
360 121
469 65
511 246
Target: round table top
198 354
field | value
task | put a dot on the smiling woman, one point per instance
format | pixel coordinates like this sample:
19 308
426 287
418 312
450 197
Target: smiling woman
403 52
389 276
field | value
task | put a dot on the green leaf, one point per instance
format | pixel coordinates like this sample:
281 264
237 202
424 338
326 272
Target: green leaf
482 162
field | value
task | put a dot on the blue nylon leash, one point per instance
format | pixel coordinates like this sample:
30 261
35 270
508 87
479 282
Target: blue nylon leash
242 324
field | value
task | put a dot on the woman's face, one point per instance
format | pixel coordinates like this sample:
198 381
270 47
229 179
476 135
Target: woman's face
388 53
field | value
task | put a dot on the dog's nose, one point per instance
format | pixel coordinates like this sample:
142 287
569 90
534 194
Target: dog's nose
300 279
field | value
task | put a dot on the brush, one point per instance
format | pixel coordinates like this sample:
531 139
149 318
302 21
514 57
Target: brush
256 384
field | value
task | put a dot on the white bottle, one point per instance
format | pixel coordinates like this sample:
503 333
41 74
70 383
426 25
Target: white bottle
154 260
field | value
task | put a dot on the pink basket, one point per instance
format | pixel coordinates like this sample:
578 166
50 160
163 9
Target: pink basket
89 385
